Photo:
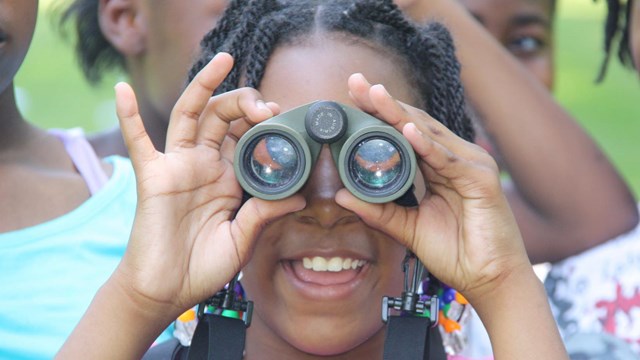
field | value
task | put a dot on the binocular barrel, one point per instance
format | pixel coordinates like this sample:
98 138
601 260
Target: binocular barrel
274 159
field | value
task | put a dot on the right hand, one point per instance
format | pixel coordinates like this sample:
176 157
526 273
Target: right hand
187 240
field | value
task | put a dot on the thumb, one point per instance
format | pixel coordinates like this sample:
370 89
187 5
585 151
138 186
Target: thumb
257 213
396 221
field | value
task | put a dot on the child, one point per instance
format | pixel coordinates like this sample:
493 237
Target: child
134 36
65 214
187 243
542 210
584 289
595 294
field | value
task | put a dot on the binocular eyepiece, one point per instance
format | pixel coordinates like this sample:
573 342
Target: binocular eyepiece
273 160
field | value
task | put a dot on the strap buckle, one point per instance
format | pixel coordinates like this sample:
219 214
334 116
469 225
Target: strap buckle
226 300
411 302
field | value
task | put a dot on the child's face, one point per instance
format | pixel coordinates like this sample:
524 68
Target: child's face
172 31
323 312
17 23
524 28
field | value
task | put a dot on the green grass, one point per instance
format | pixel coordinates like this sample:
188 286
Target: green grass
608 111
54 94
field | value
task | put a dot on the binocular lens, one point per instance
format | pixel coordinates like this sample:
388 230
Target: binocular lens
376 164
274 162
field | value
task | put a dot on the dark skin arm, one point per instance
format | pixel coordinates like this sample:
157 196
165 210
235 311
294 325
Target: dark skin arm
566 195
184 219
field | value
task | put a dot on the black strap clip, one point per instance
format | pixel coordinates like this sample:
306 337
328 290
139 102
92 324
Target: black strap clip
410 302
226 299
217 336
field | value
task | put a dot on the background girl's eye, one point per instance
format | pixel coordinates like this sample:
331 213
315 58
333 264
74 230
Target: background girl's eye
525 46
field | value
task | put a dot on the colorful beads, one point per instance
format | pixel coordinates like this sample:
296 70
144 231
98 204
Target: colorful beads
447 324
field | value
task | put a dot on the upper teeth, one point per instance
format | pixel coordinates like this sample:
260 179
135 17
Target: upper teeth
337 263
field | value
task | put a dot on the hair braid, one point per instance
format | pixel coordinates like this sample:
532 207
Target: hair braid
434 52
265 39
384 12
447 99
428 52
616 30
214 39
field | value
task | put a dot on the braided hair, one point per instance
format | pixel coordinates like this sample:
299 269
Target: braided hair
95 54
250 30
616 29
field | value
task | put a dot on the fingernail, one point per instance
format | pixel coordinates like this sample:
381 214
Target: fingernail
415 128
261 105
385 90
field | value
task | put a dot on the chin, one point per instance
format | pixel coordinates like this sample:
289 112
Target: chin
331 340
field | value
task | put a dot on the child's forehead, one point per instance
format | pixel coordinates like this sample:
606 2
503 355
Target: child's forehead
319 70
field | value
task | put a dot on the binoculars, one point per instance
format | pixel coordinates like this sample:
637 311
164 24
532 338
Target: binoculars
274 159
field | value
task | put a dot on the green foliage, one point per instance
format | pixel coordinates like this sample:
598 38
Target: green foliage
609 111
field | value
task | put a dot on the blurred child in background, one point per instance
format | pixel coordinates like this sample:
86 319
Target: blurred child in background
596 295
590 291
65 216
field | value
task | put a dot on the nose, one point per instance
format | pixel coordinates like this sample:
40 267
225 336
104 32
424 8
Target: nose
320 191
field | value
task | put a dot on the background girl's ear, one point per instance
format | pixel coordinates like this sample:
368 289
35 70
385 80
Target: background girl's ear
123 25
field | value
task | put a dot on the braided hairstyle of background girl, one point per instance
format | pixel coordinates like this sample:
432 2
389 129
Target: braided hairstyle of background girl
616 29
250 30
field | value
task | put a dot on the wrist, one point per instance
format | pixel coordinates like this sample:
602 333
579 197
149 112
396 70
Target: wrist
518 318
137 304
503 289
119 324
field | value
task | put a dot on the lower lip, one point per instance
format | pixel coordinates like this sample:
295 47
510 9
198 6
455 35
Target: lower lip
325 286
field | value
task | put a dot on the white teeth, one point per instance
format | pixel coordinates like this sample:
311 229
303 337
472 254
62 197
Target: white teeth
347 263
319 264
334 264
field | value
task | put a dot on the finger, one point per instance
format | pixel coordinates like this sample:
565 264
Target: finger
237 129
186 113
396 221
376 100
359 88
399 114
237 106
139 145
470 177
256 213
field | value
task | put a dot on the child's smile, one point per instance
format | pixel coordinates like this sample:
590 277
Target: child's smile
327 275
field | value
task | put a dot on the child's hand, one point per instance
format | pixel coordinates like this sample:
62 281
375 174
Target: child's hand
188 241
463 230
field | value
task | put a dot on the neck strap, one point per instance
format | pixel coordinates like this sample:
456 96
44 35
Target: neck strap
220 334
407 336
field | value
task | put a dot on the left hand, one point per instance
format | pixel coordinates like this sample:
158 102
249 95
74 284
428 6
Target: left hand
463 229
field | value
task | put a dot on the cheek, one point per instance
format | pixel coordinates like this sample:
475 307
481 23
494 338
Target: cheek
542 69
